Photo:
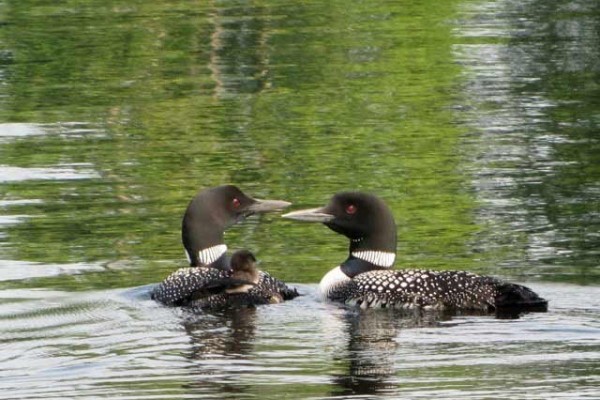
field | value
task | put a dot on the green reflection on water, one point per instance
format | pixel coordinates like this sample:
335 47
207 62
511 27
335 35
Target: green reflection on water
291 101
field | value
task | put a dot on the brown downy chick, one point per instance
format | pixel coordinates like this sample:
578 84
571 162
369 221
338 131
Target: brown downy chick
245 273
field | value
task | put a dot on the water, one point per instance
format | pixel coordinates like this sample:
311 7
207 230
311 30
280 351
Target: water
476 121
119 343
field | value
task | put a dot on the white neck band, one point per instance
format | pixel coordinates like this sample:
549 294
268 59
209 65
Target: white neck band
211 254
379 258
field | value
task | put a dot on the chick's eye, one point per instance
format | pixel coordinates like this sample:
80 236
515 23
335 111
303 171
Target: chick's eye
350 209
235 202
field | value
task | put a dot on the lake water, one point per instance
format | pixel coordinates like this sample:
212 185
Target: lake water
476 121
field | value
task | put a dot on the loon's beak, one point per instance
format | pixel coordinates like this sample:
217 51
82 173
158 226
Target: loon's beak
310 215
259 206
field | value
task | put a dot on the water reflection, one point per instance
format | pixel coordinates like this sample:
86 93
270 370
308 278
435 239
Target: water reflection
58 172
217 340
531 113
371 349
369 353
477 120
229 333
239 53
13 135
17 270
15 130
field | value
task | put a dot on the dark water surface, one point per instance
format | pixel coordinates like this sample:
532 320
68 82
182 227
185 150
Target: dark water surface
477 121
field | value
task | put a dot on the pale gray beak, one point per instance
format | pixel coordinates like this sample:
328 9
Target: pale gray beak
310 215
267 205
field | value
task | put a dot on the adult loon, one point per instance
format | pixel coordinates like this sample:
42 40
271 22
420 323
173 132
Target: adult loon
366 279
240 289
207 217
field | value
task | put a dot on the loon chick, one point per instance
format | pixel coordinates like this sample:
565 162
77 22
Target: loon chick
366 279
239 289
207 217
244 273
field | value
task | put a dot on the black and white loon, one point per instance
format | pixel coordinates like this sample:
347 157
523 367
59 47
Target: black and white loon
366 279
207 217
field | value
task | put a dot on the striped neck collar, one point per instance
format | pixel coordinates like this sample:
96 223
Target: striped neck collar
210 254
379 258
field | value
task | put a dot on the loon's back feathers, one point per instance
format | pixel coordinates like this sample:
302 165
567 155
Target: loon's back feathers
212 277
178 288
245 286
365 278
223 294
195 286
418 288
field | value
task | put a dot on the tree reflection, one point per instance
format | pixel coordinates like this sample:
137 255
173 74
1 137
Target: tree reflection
239 52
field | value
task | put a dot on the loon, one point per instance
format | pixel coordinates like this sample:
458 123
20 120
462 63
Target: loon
365 279
207 217
239 289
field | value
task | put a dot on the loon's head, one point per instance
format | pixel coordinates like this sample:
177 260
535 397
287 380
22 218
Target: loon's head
210 213
364 218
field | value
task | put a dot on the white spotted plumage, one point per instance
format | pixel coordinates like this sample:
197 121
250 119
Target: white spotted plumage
411 289
181 285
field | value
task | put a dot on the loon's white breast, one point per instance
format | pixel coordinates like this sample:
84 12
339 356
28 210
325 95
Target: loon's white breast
331 281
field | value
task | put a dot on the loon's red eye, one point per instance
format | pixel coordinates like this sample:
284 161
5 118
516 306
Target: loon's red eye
350 209
235 202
